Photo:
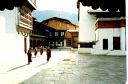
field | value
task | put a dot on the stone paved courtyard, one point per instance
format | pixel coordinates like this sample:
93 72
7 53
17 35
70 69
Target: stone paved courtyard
77 68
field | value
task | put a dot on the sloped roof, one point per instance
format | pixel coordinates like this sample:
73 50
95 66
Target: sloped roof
58 19
37 25
111 5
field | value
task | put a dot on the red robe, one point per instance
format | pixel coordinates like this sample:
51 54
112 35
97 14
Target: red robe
41 51
48 52
29 56
35 51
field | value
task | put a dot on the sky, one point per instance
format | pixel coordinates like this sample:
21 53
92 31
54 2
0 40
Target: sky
58 5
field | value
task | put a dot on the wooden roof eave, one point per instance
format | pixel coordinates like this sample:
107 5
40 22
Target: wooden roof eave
100 13
10 4
110 5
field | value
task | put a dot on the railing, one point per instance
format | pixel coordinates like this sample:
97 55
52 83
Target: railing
25 18
41 33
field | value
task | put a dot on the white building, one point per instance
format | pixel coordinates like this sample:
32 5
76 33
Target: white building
15 28
101 32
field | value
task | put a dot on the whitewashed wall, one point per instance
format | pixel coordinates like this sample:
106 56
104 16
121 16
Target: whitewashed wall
109 33
11 43
86 28
86 25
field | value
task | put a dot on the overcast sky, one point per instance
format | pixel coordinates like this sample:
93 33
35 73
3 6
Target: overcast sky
59 5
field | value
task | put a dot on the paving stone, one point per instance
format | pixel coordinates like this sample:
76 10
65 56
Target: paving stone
83 69
60 82
51 78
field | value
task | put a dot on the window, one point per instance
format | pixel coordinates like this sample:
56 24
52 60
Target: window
50 34
116 43
56 33
68 42
105 44
62 33
56 43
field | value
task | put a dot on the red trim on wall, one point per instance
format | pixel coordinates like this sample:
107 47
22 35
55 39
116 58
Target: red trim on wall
123 23
107 24
25 44
110 24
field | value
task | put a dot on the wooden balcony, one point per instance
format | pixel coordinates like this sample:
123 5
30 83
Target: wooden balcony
25 21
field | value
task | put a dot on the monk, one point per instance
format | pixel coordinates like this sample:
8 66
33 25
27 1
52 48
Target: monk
29 54
41 50
48 52
35 51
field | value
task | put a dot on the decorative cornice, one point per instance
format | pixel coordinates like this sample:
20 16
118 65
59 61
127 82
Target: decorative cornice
110 5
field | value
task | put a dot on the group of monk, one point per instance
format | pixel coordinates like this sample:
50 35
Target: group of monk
29 54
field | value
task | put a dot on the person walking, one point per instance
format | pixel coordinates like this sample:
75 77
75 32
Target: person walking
35 51
48 52
29 54
41 50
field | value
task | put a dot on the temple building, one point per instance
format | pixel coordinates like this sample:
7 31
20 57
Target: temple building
102 29
16 27
41 35
66 33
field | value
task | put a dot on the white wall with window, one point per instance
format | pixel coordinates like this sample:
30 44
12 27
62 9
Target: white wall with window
109 42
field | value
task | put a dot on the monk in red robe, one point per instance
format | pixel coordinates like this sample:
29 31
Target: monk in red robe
29 54
48 52
35 51
41 50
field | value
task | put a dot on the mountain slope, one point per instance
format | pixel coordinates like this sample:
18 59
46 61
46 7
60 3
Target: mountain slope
43 15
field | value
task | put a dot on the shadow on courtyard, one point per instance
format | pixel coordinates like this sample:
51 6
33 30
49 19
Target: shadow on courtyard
83 69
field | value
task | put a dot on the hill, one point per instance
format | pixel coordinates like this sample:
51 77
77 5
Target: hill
43 15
